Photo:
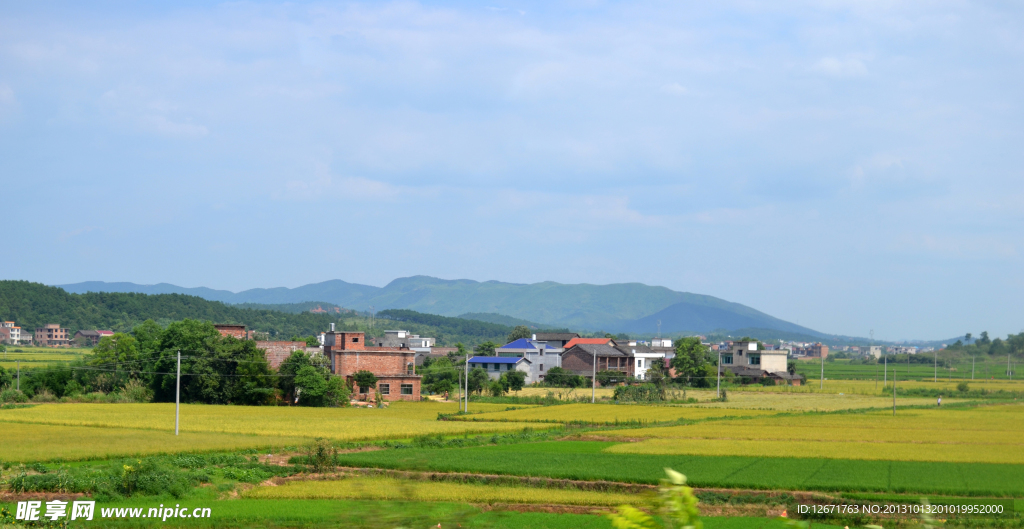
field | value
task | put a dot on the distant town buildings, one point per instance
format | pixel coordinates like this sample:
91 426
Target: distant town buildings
10 333
90 337
52 335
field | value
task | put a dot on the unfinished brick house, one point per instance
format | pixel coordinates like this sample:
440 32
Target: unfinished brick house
394 367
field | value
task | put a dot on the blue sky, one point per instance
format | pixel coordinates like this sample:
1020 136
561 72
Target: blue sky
847 166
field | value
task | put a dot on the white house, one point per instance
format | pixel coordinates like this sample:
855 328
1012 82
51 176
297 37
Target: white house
497 365
746 354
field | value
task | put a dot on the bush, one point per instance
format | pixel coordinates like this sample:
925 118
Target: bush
640 393
44 395
136 391
963 387
12 395
320 455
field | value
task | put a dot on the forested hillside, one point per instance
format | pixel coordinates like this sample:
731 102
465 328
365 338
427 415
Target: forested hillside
33 305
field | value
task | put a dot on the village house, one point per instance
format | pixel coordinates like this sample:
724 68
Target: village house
497 365
53 335
10 333
631 358
555 339
394 367
542 356
745 360
90 337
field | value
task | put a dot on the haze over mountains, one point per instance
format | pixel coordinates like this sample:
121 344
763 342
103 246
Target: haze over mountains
624 307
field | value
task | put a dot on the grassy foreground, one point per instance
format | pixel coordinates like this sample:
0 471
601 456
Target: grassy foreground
362 514
589 460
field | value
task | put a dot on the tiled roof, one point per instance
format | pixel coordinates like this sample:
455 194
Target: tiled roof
592 341
496 359
545 336
522 343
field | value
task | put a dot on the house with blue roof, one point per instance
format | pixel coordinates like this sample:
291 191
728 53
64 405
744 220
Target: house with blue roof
496 365
541 354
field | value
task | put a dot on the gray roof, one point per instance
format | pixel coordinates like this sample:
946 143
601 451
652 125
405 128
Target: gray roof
599 349
551 336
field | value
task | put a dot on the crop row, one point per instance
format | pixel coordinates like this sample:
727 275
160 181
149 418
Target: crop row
588 461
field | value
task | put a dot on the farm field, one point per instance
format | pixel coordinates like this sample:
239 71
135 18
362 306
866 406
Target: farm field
400 420
21 442
380 488
611 413
31 357
990 434
806 400
591 460
356 513
985 368
869 387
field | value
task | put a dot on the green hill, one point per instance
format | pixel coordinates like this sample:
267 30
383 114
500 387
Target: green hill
624 307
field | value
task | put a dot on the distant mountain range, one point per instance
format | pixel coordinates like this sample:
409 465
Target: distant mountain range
625 307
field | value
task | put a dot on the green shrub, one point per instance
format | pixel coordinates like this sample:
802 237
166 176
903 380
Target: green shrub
44 395
12 395
136 391
320 455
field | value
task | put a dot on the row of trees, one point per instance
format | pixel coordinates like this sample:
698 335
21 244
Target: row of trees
215 369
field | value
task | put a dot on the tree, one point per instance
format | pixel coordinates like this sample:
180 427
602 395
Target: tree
690 360
440 377
5 378
967 338
486 349
317 388
289 369
365 380
657 373
478 380
556 376
611 378
119 356
791 367
520 331
459 354
984 339
516 380
147 334
496 388
221 370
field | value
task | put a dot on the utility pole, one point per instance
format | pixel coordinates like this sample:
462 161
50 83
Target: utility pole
972 367
935 365
822 369
719 373
593 379
893 391
467 382
19 375
885 381
177 396
1008 372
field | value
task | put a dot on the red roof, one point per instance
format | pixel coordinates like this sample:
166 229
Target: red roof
105 333
595 341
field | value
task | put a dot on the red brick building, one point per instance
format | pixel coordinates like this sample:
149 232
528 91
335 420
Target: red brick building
235 331
394 367
53 335
279 351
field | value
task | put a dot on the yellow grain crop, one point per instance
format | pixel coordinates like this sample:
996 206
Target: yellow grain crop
993 434
400 420
36 442
378 488
610 413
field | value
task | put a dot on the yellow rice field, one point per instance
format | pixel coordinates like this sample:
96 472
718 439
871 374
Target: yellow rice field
400 420
40 442
992 434
869 387
610 413
792 401
379 488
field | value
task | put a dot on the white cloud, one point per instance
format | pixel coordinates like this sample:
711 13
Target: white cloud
849 66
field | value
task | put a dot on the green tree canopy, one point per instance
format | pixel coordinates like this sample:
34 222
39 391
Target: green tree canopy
520 331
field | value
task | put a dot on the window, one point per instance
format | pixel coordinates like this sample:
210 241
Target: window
542 367
406 389
363 390
639 363
754 360
355 340
726 359
385 389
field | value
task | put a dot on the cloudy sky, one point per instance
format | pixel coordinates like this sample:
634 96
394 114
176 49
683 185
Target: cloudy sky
847 166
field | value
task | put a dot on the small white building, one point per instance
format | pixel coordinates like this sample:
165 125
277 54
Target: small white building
746 354
497 365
